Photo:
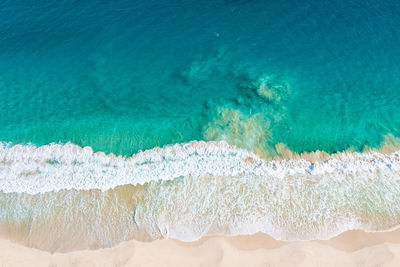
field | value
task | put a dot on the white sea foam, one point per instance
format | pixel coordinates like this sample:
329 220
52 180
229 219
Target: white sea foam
190 190
31 169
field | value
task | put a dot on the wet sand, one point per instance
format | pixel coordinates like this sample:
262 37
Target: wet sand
352 248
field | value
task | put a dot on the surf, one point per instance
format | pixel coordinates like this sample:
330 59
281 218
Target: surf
62 197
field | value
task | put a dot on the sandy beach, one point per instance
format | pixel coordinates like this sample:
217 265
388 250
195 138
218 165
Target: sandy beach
353 248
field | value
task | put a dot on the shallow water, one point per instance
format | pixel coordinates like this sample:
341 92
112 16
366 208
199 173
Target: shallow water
126 76
64 197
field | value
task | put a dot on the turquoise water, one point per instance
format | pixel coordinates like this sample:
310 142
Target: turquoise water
126 76
259 76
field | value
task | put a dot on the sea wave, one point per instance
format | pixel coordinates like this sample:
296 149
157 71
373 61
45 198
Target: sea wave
63 197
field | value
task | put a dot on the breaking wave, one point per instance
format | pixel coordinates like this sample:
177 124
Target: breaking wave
62 197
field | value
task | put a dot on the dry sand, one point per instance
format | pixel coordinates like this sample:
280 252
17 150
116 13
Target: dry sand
353 248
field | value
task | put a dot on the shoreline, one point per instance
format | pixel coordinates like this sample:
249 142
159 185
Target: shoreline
347 249
178 191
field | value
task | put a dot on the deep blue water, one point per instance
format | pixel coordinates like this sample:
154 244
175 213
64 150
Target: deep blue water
123 76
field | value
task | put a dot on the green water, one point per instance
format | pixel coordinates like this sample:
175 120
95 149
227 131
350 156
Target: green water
129 76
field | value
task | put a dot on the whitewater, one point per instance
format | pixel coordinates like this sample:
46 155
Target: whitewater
61 197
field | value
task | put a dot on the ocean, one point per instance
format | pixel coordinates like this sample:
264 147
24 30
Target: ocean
155 119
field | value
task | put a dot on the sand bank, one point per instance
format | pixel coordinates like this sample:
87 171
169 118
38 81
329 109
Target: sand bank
353 248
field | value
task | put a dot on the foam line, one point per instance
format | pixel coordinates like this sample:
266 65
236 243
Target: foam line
53 167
